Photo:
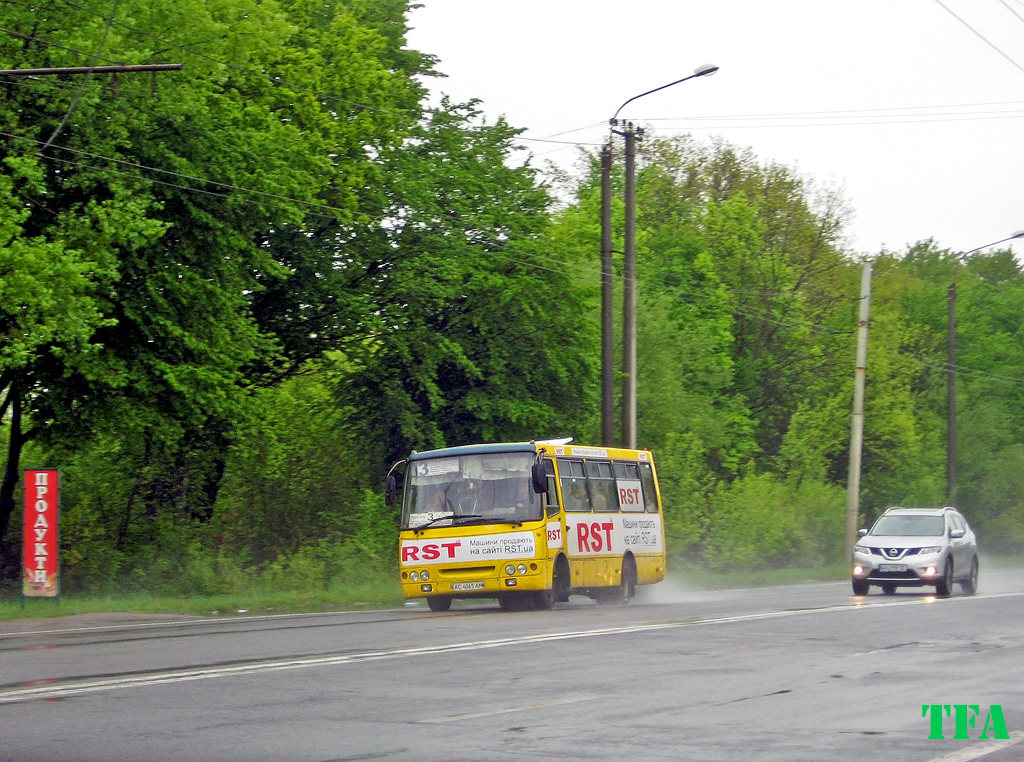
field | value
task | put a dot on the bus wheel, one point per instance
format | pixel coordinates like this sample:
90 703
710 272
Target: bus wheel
439 602
620 596
559 592
561 583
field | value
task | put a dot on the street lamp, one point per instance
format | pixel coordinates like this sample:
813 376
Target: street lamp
951 483
629 280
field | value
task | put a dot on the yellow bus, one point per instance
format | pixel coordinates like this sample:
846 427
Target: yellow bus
528 523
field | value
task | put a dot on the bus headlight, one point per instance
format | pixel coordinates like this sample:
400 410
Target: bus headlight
510 570
521 568
414 576
425 575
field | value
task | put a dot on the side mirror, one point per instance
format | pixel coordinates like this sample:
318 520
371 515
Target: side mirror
862 532
956 534
539 478
390 490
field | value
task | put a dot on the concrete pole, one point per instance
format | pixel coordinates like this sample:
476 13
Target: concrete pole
629 297
607 308
857 421
951 399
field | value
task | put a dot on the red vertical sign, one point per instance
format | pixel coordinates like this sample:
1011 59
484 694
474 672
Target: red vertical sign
42 490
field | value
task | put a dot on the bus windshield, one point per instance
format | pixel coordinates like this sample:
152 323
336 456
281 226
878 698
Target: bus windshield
484 488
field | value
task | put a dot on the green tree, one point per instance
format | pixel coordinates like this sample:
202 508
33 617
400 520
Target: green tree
150 206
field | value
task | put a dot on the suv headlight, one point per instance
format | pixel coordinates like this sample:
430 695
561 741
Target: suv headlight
862 549
930 550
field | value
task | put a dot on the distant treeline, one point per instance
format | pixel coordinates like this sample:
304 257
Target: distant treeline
232 296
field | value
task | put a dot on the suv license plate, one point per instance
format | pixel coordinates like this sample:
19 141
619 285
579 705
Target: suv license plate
467 586
892 567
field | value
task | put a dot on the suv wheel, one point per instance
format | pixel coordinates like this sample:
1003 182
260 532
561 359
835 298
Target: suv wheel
970 585
944 587
860 587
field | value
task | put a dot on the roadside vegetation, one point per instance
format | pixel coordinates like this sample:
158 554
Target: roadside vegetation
231 297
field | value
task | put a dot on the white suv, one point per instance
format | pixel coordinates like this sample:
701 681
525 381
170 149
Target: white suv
916 547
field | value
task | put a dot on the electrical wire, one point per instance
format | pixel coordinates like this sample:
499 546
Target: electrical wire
575 129
563 142
589 275
961 370
980 35
852 112
1011 10
921 120
85 81
134 165
55 45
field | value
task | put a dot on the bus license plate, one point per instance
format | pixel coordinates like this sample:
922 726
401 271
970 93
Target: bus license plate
467 585
892 567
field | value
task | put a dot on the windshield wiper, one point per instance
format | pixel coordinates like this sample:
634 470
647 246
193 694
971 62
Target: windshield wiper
490 520
451 517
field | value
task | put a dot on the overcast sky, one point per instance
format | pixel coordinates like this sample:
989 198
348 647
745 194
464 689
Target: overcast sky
917 118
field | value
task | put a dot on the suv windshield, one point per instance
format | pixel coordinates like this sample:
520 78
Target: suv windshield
485 488
909 526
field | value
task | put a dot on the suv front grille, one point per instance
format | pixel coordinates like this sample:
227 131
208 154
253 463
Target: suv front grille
900 552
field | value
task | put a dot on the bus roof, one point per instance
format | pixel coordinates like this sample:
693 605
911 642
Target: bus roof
480 449
547 447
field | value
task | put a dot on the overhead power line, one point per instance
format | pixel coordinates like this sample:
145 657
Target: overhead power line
1011 10
119 69
985 39
85 81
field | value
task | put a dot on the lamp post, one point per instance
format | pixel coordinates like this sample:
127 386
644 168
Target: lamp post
951 482
629 280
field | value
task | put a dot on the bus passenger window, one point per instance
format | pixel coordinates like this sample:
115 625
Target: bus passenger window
574 486
651 495
630 493
602 487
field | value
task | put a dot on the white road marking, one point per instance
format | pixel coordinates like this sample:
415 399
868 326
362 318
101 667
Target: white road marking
198 621
49 691
509 710
974 752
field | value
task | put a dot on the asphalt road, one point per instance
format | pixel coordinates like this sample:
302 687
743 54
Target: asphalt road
802 672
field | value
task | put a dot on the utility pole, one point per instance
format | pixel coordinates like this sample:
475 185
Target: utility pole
629 295
607 299
629 270
951 397
857 420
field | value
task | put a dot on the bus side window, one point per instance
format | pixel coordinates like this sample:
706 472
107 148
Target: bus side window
630 487
552 493
602 487
650 494
574 486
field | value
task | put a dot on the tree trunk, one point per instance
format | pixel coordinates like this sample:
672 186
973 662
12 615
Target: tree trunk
12 470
